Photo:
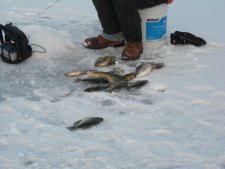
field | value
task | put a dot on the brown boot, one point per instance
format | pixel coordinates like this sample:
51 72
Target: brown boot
132 51
100 42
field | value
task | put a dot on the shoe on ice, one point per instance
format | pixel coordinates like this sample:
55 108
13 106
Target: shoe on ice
186 38
100 42
132 51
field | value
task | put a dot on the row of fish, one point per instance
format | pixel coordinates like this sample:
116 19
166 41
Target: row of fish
113 80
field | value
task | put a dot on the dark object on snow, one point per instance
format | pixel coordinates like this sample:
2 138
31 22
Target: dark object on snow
93 80
186 38
86 123
97 88
14 47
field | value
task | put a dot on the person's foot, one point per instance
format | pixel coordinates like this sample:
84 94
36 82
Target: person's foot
132 50
100 42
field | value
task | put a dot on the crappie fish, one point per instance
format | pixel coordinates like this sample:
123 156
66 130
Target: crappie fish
85 123
105 61
146 68
75 73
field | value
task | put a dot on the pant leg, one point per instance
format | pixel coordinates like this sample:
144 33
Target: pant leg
107 16
129 19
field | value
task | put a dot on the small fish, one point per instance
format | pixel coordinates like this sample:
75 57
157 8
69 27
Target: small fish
105 61
85 123
146 68
75 73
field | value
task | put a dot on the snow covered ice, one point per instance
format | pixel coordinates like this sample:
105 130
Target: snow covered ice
176 121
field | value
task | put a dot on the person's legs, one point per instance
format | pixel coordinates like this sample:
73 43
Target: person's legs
107 16
130 22
129 19
118 16
112 35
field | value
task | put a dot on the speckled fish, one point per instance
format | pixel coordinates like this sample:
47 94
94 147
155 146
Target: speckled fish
146 68
112 78
75 73
105 61
85 123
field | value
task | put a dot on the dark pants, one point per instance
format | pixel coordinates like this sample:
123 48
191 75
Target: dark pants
120 16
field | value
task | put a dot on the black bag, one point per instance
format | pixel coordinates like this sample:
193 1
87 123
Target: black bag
186 38
14 47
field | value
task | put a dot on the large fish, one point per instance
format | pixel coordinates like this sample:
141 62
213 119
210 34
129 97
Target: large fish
146 68
85 123
105 61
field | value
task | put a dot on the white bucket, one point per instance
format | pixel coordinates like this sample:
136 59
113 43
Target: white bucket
154 24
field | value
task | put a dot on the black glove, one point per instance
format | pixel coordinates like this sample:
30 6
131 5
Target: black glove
186 38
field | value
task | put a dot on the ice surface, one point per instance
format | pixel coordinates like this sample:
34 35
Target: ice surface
176 121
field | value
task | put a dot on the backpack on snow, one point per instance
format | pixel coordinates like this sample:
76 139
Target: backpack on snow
14 46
